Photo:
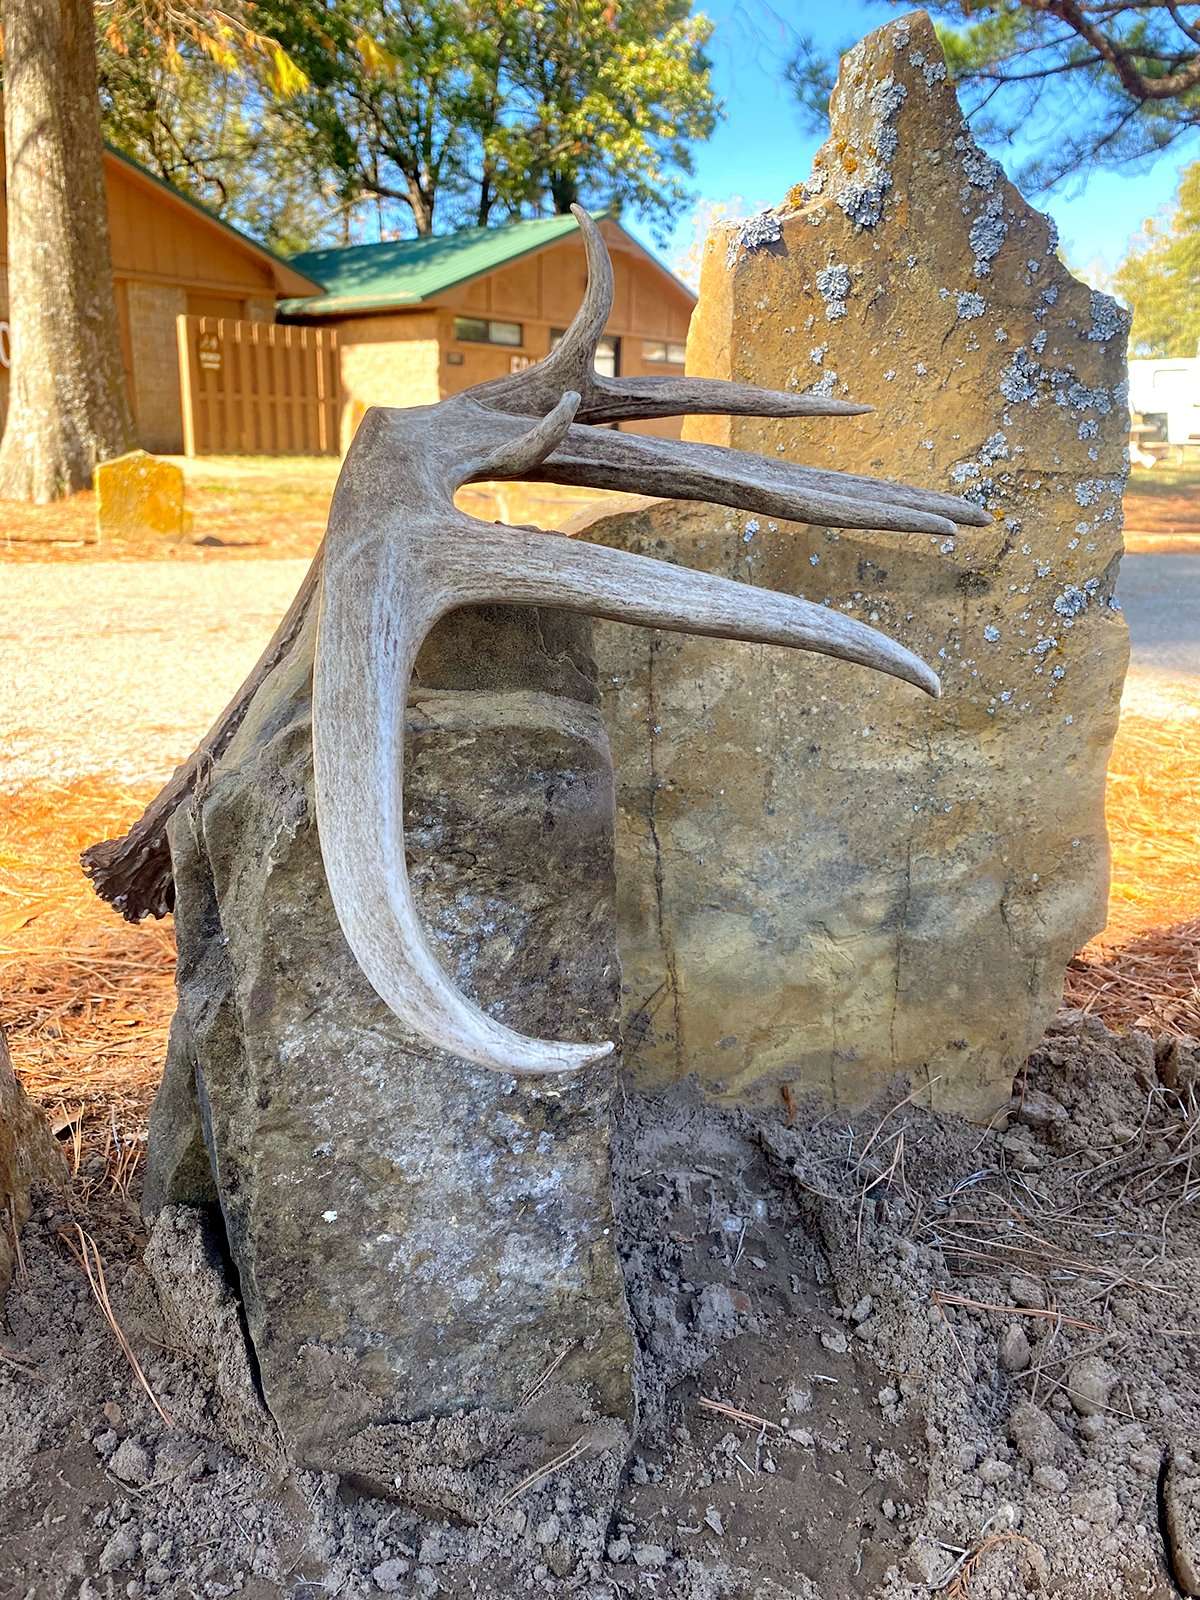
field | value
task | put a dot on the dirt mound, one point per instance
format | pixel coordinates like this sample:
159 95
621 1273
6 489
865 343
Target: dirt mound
883 1356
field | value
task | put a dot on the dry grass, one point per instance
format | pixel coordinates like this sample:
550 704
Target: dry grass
88 1258
87 999
232 509
253 506
1162 509
1144 969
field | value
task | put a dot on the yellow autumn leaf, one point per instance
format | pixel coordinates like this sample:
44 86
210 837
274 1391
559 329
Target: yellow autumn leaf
217 51
374 57
289 78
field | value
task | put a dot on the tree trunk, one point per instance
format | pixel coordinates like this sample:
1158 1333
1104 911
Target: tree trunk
420 202
487 200
68 407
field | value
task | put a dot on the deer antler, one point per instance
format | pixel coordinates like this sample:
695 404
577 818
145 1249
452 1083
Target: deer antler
398 555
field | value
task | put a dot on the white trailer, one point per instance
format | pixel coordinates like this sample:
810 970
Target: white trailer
1164 402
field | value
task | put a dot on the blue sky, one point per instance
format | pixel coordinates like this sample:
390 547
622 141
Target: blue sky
763 146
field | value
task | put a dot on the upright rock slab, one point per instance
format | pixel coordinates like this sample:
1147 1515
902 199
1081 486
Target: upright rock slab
824 879
138 494
417 1240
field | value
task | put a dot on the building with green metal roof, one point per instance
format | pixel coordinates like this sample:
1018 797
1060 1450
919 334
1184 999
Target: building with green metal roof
419 319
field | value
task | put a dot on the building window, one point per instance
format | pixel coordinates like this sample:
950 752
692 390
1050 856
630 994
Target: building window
608 352
479 330
664 350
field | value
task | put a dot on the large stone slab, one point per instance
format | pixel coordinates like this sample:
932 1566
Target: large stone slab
416 1240
825 879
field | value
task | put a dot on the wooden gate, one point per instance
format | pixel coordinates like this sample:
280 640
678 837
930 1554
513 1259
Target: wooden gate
258 388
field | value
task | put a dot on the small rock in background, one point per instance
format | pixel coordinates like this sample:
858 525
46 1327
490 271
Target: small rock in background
139 494
120 1549
1026 1291
836 1343
1037 1109
650 1556
1099 1506
926 1563
388 1575
1089 1384
1039 1440
1014 1353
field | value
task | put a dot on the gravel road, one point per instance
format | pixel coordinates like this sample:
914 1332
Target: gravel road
1161 596
117 668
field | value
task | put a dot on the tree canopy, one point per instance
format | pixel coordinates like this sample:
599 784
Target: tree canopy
1160 279
1079 83
403 115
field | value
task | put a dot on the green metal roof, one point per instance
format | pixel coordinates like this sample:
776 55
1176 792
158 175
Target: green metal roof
410 272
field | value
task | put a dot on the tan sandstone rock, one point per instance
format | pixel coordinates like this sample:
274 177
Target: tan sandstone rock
28 1158
138 494
824 879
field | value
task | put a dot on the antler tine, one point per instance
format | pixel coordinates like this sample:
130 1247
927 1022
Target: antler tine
572 363
520 456
641 399
574 360
604 460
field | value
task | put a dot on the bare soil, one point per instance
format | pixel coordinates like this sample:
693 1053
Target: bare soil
883 1356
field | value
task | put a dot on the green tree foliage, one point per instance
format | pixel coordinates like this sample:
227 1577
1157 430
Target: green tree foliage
1160 279
1112 83
601 99
449 112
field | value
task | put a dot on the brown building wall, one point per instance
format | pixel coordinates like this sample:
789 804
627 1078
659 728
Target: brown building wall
386 361
154 363
413 358
167 258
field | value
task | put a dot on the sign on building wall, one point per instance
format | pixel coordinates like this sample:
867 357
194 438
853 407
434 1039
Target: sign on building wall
209 347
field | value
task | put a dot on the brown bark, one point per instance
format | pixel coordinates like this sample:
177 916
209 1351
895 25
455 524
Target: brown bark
68 407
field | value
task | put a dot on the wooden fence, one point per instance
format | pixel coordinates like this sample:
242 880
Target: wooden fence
258 388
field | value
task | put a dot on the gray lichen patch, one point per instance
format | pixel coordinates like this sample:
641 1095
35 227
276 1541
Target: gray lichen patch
833 285
755 233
